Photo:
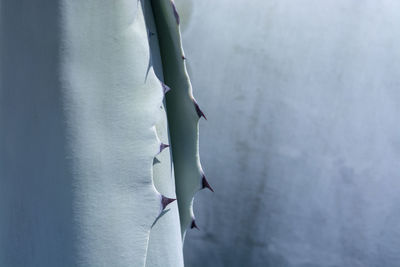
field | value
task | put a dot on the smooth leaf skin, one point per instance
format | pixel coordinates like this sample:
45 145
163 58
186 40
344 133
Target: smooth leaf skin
111 120
78 135
182 116
165 243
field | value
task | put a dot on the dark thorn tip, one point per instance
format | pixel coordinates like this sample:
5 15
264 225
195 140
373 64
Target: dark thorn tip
205 184
166 88
156 161
175 12
183 57
163 146
151 33
198 110
194 225
165 201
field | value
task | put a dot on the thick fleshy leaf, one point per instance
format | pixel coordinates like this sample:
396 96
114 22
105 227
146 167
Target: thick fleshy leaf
112 99
165 243
78 108
182 110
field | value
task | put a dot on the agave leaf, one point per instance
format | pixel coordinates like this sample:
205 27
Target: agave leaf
113 98
182 110
165 243
78 112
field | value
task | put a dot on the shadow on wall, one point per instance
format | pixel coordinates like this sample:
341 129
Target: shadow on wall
301 143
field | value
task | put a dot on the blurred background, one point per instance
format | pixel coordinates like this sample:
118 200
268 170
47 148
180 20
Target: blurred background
302 142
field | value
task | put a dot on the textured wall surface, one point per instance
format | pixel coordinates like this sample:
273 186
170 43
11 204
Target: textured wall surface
302 142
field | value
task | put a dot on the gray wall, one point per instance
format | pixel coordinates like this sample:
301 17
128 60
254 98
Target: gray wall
302 142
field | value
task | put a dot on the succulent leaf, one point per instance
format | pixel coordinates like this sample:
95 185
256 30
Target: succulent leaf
182 110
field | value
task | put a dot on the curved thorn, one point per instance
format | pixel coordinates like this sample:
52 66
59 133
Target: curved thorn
151 33
163 146
205 184
148 69
175 12
156 161
165 87
198 110
194 225
165 201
